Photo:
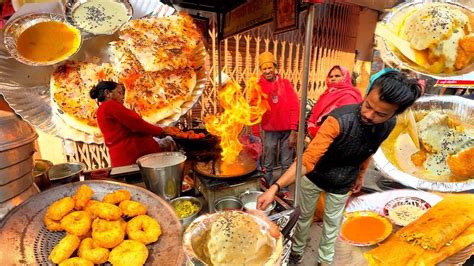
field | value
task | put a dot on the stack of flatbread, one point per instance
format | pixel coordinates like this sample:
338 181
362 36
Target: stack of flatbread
442 231
237 239
154 59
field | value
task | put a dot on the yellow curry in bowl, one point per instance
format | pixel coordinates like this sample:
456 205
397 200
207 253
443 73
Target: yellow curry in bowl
48 42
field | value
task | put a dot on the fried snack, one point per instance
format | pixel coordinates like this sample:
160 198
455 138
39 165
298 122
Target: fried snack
395 251
52 225
64 249
461 164
129 252
88 206
90 250
143 228
441 223
60 208
106 211
107 234
77 223
83 195
117 196
76 261
132 208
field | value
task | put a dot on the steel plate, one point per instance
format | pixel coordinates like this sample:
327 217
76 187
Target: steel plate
393 57
464 109
26 88
24 240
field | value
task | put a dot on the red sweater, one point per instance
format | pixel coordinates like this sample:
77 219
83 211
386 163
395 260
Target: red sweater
284 106
126 134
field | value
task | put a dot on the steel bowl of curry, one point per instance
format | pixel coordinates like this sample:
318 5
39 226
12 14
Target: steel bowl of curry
365 228
41 39
187 208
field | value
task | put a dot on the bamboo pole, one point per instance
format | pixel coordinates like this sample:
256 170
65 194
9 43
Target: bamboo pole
304 92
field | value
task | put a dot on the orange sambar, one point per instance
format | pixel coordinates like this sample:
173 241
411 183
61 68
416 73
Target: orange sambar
364 229
48 41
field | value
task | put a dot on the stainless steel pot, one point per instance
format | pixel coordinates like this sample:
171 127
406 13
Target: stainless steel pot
66 172
16 150
229 203
163 173
40 173
249 201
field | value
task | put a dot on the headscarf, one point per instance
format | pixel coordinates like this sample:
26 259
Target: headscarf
336 95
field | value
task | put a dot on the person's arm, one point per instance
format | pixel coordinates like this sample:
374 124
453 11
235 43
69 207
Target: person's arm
319 145
294 105
132 120
360 178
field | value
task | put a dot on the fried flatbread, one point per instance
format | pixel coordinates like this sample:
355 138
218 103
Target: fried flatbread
441 223
162 43
154 95
70 84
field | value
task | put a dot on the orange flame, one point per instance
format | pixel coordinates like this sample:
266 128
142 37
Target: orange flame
238 112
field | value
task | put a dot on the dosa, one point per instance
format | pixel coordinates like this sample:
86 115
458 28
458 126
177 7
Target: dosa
441 223
398 252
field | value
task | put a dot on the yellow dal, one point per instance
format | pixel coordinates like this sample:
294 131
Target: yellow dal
48 41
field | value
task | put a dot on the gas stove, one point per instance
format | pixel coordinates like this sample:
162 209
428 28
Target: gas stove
214 188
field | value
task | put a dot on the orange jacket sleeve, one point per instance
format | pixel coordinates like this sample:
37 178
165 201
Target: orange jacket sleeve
319 145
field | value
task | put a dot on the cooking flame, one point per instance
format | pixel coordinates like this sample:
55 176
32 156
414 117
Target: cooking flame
238 112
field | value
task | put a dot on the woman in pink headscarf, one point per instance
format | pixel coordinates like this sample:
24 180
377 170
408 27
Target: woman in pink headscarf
339 92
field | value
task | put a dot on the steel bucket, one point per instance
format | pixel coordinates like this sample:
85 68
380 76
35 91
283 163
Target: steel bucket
163 173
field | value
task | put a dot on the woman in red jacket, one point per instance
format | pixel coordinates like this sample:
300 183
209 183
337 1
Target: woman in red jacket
339 92
126 134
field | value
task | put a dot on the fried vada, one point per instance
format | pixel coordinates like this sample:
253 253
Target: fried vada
83 195
88 206
77 223
143 228
106 211
76 261
64 249
90 250
60 208
107 234
129 252
52 225
117 196
132 208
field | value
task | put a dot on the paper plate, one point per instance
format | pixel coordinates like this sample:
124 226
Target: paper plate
464 109
393 57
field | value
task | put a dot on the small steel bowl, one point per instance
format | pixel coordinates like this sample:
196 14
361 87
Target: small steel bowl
17 26
229 203
413 201
72 5
65 172
187 220
249 201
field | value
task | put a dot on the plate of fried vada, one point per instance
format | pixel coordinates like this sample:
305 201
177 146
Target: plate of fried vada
90 223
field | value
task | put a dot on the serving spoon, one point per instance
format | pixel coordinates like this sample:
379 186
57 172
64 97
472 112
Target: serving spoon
402 45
